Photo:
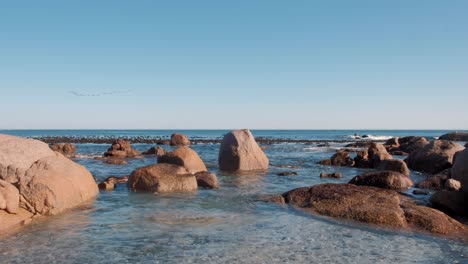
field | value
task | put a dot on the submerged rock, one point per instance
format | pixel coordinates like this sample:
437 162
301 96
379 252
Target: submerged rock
179 140
115 161
240 152
434 157
158 151
287 173
335 175
207 180
383 179
106 185
372 206
122 149
162 177
185 157
66 149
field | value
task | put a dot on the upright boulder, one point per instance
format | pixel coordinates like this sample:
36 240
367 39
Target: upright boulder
66 149
377 153
185 157
394 165
455 136
342 158
179 140
240 152
459 170
122 149
162 177
434 157
411 143
383 179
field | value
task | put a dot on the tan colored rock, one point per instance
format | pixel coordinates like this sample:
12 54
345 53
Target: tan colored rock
122 149
9 197
66 149
240 152
459 170
372 206
394 165
106 185
185 157
434 157
383 179
162 177
18 154
341 158
54 184
452 185
207 180
12 222
179 140
377 153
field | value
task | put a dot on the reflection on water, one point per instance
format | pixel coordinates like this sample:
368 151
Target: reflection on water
228 225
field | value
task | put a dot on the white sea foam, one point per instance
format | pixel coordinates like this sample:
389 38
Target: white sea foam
370 137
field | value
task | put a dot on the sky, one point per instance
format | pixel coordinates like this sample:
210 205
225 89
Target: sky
259 64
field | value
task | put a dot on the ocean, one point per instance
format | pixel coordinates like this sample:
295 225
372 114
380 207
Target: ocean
229 225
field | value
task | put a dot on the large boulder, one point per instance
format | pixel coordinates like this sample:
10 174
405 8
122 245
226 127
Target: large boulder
383 179
434 157
372 206
162 177
240 152
18 154
453 203
411 143
44 182
455 136
342 158
122 149
362 159
66 149
54 184
377 153
185 157
179 140
394 165
459 170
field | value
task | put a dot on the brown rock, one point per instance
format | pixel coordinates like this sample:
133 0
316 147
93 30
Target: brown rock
377 153
398 153
106 185
185 157
115 161
240 152
162 177
420 192
342 158
325 162
273 199
158 151
359 144
455 136
163 142
179 140
9 197
66 149
207 180
383 179
435 182
410 144
287 173
459 170
434 157
336 175
122 149
117 180
373 206
394 165
362 159
453 203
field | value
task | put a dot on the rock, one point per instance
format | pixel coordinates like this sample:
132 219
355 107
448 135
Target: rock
158 151
117 180
452 185
9 197
435 182
273 199
185 157
115 161
12 222
163 142
377 153
287 173
394 165
455 136
179 140
372 206
410 144
122 149
420 192
434 157
66 149
336 175
459 170
240 152
362 159
453 203
207 180
55 184
360 144
383 179
325 162
342 158
399 153
106 185
18 154
162 177
392 143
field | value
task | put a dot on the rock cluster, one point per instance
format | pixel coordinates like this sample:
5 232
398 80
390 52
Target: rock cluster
122 149
434 157
66 149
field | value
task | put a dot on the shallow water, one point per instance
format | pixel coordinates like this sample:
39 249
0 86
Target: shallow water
229 225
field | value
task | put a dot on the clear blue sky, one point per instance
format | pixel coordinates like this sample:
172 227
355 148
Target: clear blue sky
231 64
